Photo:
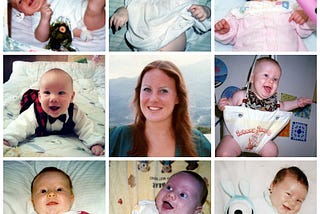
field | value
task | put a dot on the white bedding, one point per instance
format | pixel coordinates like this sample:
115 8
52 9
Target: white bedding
221 9
88 179
89 88
260 174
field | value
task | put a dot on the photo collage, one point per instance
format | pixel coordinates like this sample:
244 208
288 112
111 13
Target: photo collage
145 88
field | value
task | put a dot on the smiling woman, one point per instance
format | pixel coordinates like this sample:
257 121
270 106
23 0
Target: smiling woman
162 125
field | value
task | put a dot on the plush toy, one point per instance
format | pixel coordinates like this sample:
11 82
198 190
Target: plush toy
143 166
192 165
60 36
238 204
310 7
166 166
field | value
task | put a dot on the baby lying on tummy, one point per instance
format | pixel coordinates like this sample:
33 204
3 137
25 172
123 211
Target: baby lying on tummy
53 112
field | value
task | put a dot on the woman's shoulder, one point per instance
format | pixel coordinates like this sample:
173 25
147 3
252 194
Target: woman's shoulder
202 143
126 129
120 140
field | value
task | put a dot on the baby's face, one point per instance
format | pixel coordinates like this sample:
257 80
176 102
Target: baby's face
265 80
56 93
288 195
181 194
52 193
28 7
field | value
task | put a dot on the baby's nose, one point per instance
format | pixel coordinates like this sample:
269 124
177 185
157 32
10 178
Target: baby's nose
53 98
171 196
51 194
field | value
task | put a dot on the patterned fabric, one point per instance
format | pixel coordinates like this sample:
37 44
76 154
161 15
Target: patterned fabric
253 102
31 96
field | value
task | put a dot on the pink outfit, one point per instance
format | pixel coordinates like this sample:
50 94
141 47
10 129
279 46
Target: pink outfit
265 31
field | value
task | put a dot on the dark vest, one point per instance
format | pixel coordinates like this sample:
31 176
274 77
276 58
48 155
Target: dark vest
31 96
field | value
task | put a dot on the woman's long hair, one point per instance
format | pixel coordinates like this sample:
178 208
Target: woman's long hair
181 121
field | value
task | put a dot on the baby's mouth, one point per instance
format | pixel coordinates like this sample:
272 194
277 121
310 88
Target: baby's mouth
166 205
54 108
52 203
267 89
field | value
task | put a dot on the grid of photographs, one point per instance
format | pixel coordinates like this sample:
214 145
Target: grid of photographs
114 107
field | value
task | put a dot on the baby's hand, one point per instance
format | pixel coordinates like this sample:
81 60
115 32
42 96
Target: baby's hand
222 103
46 12
222 27
200 12
6 143
97 150
299 17
303 101
119 18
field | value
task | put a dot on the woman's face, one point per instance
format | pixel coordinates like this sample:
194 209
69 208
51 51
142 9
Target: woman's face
158 96
28 7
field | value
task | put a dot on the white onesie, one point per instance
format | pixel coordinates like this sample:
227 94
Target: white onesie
145 207
155 23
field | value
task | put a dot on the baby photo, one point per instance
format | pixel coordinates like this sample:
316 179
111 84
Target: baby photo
160 187
40 187
271 25
260 187
160 25
54 106
157 106
39 25
265 106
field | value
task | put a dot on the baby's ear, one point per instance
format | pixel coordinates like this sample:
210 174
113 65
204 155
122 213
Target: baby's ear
73 94
198 209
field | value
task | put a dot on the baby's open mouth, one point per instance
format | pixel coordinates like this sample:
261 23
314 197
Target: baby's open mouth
267 89
166 205
54 108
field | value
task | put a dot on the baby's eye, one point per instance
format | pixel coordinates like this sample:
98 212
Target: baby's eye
43 191
62 92
169 188
59 190
275 79
20 1
183 195
46 92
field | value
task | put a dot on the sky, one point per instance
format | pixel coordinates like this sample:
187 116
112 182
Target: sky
132 65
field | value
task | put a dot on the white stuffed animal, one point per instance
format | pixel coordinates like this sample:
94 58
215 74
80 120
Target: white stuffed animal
238 203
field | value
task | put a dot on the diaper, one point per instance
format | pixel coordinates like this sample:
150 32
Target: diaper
252 129
262 7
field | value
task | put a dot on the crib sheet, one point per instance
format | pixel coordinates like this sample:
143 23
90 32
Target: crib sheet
221 8
117 40
89 96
